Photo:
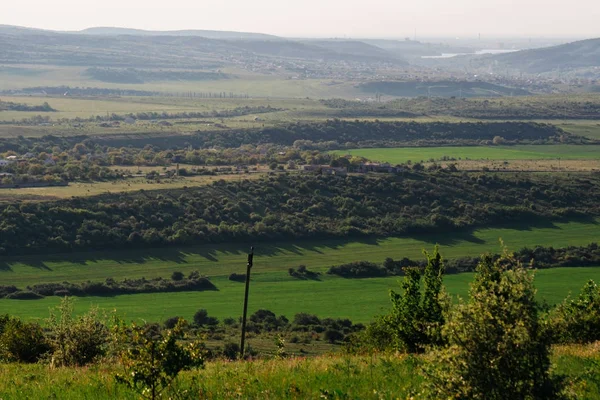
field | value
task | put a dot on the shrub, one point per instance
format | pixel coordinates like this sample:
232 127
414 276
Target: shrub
231 350
177 276
497 345
76 340
416 318
22 342
171 322
578 321
6 290
333 336
200 317
153 362
229 321
306 319
360 269
24 295
237 277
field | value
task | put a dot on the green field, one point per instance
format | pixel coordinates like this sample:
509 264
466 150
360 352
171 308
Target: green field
272 287
357 299
518 152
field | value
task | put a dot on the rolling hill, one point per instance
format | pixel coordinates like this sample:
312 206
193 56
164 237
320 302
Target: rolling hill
128 48
110 31
569 56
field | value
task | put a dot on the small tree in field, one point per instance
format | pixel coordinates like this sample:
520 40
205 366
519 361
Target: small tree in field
153 361
498 347
416 318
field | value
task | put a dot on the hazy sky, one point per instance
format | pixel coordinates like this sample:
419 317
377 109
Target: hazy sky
352 18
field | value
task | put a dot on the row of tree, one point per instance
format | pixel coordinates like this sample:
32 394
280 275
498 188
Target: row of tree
295 206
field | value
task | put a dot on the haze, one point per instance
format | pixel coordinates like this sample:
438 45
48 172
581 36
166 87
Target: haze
311 18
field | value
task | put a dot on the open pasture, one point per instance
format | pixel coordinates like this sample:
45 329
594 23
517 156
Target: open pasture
84 189
518 152
272 287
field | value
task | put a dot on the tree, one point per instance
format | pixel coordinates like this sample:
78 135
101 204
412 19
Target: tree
153 361
177 276
201 317
578 320
498 347
416 319
76 340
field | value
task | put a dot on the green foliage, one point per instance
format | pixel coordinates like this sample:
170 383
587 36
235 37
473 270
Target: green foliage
20 341
416 318
294 207
153 361
498 347
578 320
76 341
231 350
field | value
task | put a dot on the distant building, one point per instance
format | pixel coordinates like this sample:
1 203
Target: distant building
378 167
326 170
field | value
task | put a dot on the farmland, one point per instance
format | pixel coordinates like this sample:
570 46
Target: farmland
272 287
518 152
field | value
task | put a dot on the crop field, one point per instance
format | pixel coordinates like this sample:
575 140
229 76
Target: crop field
82 189
241 82
518 152
587 129
272 287
357 299
552 165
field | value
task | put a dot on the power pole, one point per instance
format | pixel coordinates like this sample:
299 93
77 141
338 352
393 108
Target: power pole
248 267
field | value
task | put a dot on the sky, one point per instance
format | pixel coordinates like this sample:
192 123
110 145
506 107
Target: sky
319 18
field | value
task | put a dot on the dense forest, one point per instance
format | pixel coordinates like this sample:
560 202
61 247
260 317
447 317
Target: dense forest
293 206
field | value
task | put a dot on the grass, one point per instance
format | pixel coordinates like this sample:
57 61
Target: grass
82 189
590 129
518 152
328 377
272 288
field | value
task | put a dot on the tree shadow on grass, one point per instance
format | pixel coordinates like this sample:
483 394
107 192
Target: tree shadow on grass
269 247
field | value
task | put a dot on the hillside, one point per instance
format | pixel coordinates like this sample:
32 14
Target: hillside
115 47
111 31
575 55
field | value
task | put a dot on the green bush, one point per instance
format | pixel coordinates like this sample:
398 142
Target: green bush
578 320
22 342
498 347
171 322
76 341
333 336
231 350
417 318
177 276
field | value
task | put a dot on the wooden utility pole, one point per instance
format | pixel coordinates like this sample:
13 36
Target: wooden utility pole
248 267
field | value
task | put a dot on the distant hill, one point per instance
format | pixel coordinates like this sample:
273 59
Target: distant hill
130 48
415 48
440 89
575 55
107 31
353 47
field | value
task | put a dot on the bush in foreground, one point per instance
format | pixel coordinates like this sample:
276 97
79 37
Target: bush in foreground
498 347
578 320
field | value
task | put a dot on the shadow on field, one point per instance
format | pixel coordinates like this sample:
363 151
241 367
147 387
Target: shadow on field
268 248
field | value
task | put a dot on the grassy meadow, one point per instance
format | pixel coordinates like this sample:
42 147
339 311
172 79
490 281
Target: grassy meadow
518 152
272 287
327 377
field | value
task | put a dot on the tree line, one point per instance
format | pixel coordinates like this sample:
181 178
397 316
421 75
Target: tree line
295 206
